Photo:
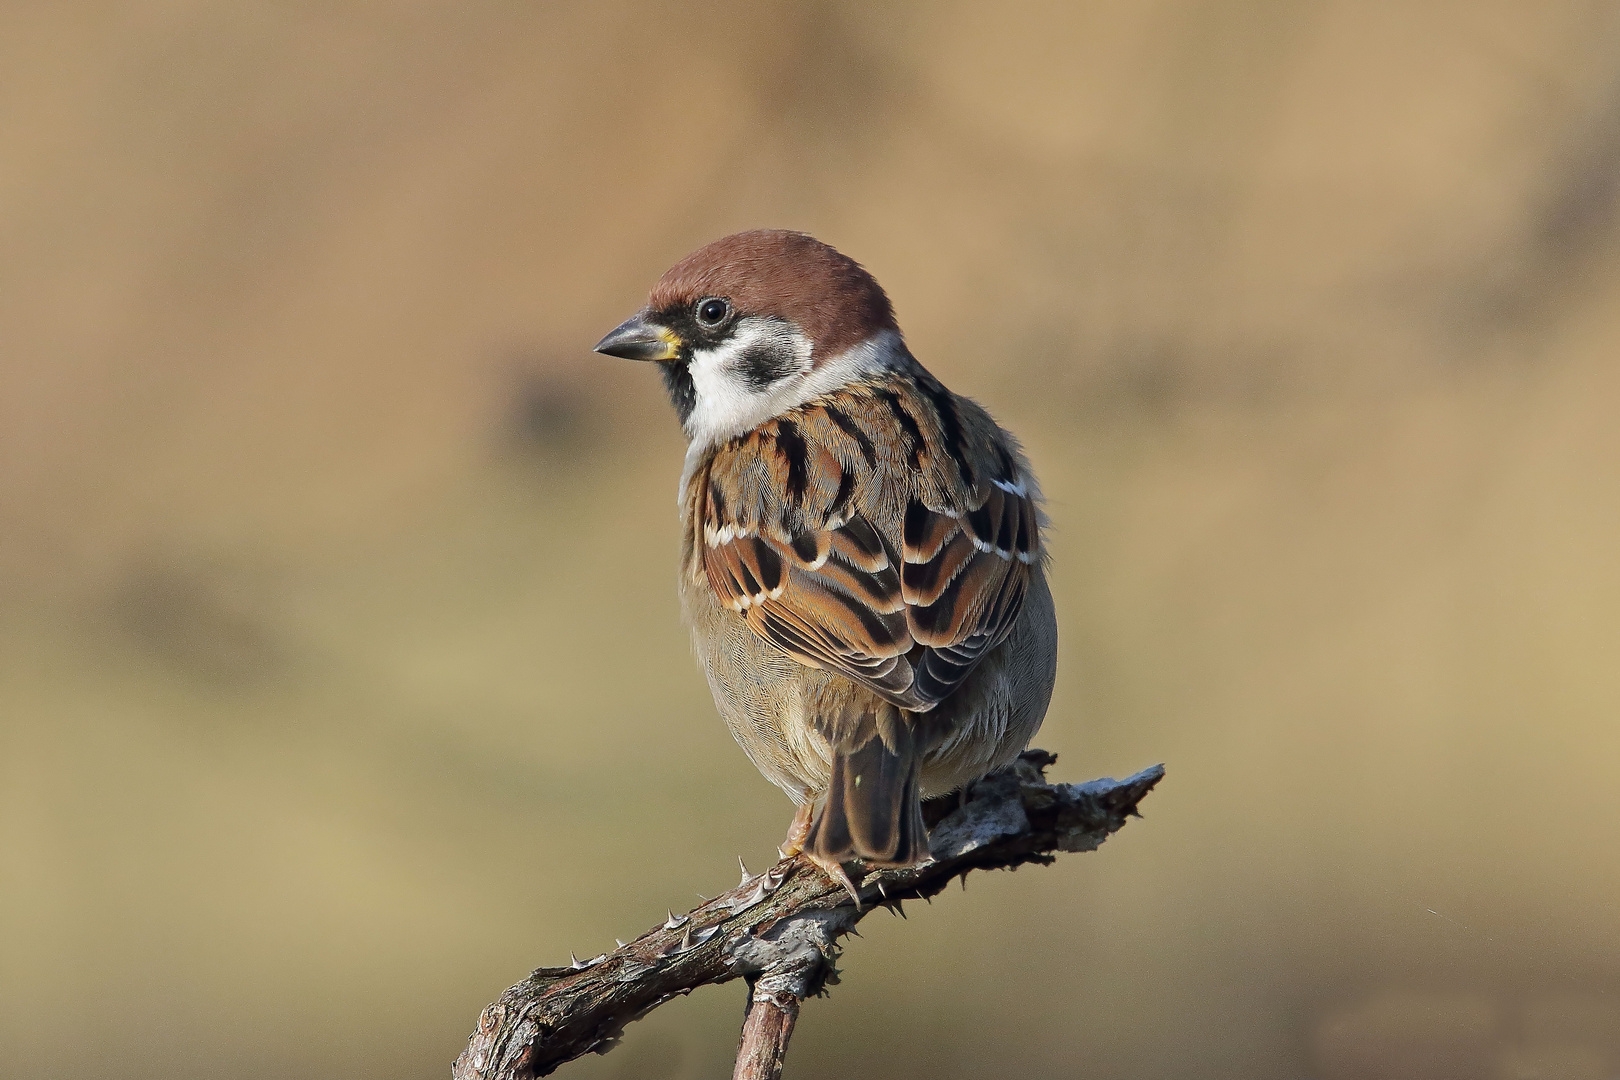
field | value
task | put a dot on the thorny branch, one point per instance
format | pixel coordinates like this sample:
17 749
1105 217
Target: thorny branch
779 930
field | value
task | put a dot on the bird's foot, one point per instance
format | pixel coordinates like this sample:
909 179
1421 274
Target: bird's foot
834 870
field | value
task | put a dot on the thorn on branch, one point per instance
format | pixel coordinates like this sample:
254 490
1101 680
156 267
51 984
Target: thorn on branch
780 929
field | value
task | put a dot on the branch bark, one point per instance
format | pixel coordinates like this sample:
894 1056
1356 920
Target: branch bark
780 929
765 1037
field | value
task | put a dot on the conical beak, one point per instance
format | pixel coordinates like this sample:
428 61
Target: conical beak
639 338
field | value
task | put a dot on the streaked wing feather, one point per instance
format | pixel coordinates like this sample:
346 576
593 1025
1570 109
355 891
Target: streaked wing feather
909 616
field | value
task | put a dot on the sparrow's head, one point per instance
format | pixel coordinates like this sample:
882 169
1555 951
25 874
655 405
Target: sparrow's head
757 323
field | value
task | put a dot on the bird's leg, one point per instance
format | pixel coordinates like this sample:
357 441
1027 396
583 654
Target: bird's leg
798 833
799 830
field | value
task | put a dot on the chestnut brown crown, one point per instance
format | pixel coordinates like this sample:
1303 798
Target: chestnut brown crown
777 273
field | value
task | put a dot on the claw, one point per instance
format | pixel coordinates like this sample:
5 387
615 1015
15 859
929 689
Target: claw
838 875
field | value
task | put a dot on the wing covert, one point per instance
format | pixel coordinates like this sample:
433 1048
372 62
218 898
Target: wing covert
907 610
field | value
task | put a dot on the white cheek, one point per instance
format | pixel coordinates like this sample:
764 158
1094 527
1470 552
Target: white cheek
726 403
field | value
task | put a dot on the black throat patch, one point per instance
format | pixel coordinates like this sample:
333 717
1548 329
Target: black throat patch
678 381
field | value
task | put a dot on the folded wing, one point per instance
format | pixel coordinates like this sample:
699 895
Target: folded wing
908 615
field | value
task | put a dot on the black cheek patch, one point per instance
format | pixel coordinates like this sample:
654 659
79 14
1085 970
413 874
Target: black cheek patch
765 363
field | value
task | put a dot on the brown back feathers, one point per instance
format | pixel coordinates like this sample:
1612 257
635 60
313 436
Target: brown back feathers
887 532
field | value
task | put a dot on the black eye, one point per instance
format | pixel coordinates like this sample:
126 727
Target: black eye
713 311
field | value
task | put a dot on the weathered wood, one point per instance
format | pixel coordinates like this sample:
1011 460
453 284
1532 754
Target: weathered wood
780 929
765 1037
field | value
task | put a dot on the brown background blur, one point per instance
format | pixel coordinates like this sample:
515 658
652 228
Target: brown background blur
341 677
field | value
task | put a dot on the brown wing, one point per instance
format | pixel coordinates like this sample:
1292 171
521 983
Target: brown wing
964 580
840 609
908 615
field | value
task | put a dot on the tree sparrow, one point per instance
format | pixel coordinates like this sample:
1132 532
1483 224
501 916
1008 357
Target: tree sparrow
862 567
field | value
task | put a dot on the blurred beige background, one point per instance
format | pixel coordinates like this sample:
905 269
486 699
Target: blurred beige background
341 678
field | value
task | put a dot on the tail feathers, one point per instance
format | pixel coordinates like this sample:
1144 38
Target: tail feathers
873 809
